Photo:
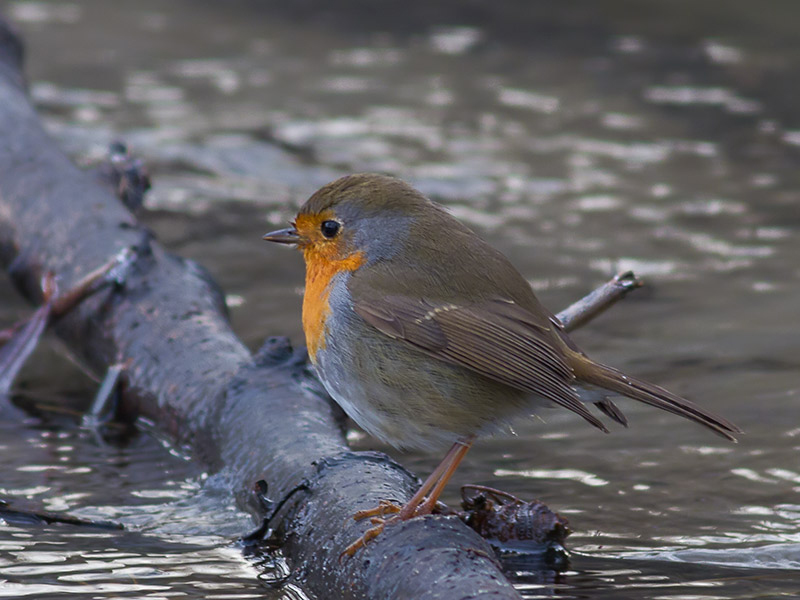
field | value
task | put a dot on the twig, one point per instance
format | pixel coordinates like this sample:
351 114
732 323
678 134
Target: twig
15 353
23 338
102 408
27 512
112 272
590 306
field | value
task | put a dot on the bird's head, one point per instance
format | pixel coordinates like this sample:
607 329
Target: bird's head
366 215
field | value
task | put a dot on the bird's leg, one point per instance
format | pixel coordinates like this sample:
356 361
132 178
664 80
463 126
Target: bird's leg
387 507
418 504
461 448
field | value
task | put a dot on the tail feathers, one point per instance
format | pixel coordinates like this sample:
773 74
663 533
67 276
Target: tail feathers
611 409
611 379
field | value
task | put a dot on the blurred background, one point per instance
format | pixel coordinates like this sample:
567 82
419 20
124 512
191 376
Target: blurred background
581 138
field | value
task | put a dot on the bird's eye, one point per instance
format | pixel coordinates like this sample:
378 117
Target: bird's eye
330 228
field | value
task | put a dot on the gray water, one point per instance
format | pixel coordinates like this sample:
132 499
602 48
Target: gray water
581 138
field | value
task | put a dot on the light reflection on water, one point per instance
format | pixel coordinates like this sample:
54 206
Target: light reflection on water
579 142
122 565
179 535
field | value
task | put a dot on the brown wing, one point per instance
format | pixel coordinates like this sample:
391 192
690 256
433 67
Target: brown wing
496 338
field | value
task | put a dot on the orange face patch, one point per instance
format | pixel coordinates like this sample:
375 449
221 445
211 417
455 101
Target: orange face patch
324 259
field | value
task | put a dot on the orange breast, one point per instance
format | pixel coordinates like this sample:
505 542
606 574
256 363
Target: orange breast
316 308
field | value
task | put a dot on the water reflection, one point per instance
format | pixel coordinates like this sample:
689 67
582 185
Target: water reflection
179 535
50 562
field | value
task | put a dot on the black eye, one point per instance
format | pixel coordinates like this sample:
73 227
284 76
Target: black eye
329 228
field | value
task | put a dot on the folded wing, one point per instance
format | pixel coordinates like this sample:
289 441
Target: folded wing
495 338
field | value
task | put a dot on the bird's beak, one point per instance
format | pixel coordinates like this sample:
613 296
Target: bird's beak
283 236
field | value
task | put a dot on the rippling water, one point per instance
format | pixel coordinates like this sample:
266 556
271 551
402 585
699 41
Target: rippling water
581 138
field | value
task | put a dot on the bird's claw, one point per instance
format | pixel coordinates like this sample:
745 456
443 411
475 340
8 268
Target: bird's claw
385 507
376 517
369 534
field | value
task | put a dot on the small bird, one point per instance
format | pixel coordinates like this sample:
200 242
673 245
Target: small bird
427 336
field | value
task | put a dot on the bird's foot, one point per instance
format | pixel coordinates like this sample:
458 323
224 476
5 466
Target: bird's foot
386 507
376 517
369 534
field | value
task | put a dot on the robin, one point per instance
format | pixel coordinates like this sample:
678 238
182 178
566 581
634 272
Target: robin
427 336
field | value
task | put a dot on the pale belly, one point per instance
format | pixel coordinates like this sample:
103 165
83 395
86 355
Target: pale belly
405 397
